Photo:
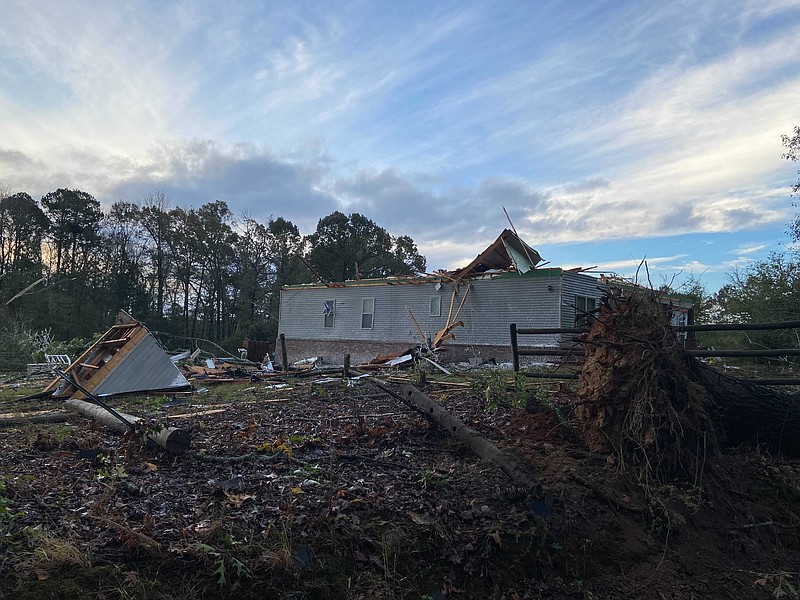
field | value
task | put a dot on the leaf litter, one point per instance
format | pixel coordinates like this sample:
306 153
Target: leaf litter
340 492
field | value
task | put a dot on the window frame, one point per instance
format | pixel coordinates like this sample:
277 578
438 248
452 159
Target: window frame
332 314
371 313
438 311
582 313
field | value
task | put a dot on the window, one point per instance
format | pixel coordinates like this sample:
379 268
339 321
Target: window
367 313
435 306
328 310
584 305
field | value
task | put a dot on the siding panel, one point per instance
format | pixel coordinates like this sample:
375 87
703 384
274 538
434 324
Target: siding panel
491 306
577 284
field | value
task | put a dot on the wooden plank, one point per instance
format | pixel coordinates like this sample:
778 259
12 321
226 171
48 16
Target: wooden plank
461 305
199 413
452 303
419 329
108 368
445 334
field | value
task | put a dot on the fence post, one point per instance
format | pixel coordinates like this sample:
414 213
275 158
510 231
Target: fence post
283 353
691 339
514 347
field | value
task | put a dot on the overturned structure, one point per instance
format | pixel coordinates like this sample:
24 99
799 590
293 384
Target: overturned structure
126 358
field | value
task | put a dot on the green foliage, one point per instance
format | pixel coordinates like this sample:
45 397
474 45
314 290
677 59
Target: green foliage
20 345
350 247
764 291
22 226
6 513
225 565
546 400
107 469
702 300
193 272
670 505
431 478
74 231
792 145
500 388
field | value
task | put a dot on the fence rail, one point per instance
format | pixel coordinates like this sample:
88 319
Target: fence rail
516 351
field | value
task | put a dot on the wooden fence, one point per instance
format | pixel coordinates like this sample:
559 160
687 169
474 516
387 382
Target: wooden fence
575 351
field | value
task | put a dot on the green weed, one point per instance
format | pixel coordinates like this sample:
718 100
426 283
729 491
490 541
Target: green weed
501 390
224 564
6 503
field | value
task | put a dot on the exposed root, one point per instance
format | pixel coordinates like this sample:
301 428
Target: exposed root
640 397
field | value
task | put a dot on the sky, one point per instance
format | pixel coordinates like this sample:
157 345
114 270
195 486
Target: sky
612 132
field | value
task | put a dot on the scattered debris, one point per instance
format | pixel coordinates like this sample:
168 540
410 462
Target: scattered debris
335 491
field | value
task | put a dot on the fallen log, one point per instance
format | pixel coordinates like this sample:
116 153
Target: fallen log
754 414
171 439
514 469
22 419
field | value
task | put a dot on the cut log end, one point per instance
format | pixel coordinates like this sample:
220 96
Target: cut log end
173 440
177 441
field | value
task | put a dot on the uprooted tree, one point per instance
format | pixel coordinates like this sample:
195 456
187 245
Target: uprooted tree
662 412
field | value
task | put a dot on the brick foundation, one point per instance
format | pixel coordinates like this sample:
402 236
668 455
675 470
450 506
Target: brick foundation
332 351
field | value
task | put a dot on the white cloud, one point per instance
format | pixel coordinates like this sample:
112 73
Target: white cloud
586 125
750 248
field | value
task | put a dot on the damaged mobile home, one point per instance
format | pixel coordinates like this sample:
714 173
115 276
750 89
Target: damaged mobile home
471 309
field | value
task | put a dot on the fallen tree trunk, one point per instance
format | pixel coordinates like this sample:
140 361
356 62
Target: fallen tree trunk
171 439
515 469
754 414
21 419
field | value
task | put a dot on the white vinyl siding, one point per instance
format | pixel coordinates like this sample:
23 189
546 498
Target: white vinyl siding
492 305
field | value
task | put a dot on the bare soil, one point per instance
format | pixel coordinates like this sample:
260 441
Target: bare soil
323 490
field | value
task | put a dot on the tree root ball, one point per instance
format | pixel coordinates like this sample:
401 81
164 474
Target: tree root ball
639 393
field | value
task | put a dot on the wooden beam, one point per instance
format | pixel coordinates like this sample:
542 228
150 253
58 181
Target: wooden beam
461 305
452 302
419 329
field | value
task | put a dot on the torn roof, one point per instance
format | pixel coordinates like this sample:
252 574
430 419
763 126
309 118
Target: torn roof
506 252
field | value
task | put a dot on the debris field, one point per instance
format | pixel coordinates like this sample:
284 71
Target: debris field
328 488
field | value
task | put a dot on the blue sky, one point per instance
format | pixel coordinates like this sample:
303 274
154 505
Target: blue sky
611 131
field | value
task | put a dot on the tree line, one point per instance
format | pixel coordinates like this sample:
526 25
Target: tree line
68 266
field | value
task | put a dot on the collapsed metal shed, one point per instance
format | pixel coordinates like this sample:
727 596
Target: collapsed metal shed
126 358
